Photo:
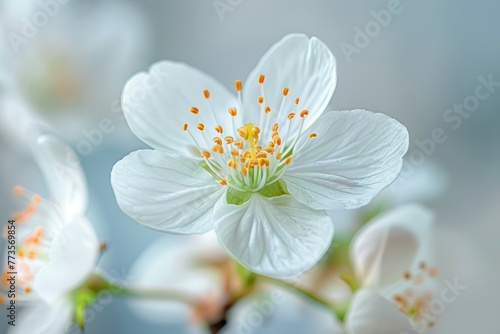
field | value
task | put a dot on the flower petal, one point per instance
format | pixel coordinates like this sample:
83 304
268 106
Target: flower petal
73 256
156 105
306 66
41 318
370 313
166 192
355 155
275 236
64 175
390 244
191 257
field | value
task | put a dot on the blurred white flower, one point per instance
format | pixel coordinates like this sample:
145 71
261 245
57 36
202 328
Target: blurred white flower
193 265
57 248
264 193
392 258
71 70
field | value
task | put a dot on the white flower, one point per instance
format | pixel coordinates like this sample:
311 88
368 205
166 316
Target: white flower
259 167
57 248
191 265
391 258
55 68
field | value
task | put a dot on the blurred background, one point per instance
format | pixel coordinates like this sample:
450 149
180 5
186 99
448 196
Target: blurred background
419 65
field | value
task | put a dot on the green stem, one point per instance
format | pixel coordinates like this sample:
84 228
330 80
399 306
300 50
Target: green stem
300 291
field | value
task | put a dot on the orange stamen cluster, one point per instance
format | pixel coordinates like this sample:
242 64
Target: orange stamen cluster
247 155
412 302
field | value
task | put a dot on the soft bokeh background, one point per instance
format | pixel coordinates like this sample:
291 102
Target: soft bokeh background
428 58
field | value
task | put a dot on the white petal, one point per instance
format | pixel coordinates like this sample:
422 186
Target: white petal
192 275
166 192
277 237
42 318
306 66
356 155
157 103
370 313
73 256
63 173
390 244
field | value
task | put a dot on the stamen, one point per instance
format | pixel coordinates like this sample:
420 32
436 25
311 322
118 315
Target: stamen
206 93
200 126
288 160
184 127
232 111
238 86
407 275
194 110
313 135
205 154
229 139
291 115
217 140
267 109
244 170
218 128
297 100
243 132
260 99
304 113
223 182
261 78
285 91
218 149
18 190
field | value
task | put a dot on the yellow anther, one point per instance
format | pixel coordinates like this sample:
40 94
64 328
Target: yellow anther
261 162
232 111
275 127
277 140
30 208
238 144
291 115
237 85
200 126
218 149
304 113
223 182
217 140
267 109
313 135
194 110
255 132
229 139
278 155
258 148
244 170
18 190
270 144
27 289
232 164
297 100
206 93
260 99
288 160
184 127
234 152
31 254
218 128
274 134
261 78
269 150
285 91
243 132
205 154
20 253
